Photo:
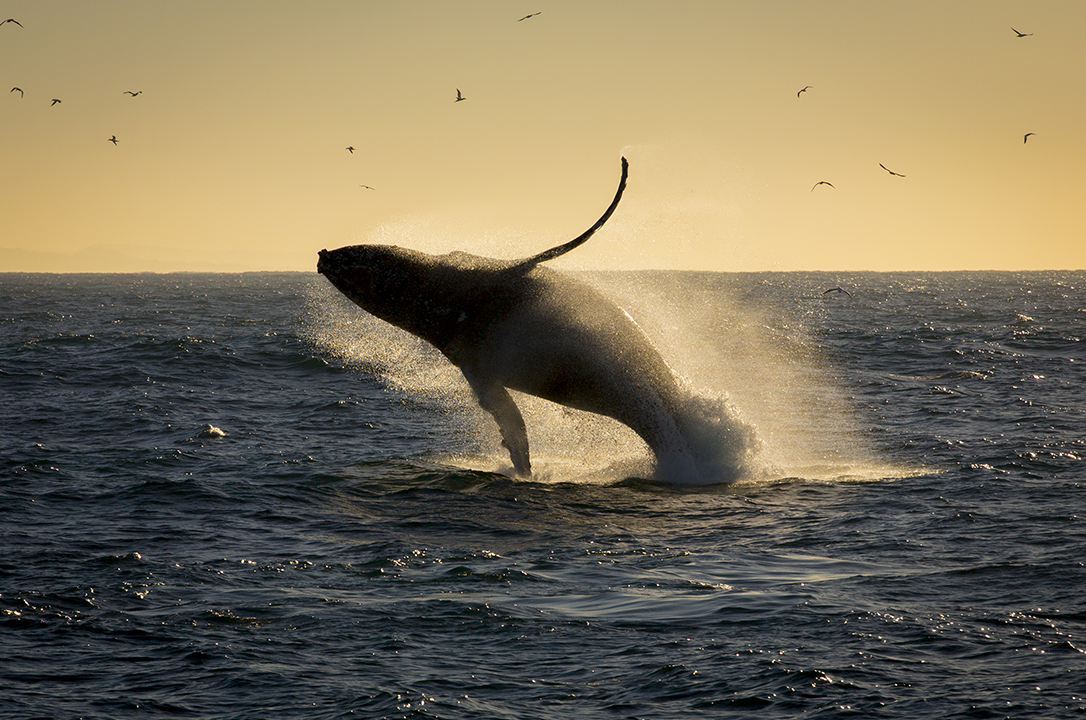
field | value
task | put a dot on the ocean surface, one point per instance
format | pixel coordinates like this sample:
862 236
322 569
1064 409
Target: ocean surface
238 496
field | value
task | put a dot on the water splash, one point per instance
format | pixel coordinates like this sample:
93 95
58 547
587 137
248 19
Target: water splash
772 403
762 401
723 446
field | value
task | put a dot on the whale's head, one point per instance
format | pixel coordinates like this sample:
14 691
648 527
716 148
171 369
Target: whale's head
407 288
379 278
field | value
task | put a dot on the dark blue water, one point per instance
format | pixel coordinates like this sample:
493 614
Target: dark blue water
235 496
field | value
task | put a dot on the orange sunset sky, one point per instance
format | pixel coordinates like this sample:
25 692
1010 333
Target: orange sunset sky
233 154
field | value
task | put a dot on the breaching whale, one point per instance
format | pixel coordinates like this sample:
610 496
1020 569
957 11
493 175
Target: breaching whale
514 324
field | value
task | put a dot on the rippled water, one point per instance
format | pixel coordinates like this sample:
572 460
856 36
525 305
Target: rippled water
231 496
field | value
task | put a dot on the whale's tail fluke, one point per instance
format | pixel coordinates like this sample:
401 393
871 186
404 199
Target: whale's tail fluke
527 264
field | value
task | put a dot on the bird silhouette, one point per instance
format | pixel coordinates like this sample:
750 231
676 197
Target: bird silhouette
1021 34
822 182
11 20
890 171
528 16
113 139
1025 138
350 149
459 97
366 186
19 89
805 89
840 290
55 101
133 94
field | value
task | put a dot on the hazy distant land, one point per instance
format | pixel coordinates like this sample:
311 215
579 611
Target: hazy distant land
111 259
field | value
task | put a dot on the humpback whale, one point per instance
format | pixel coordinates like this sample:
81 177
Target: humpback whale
517 325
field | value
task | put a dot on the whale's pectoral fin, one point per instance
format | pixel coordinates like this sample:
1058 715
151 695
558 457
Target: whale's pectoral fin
495 400
524 266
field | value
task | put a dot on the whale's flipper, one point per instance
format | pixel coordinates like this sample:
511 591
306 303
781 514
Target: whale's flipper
527 264
495 399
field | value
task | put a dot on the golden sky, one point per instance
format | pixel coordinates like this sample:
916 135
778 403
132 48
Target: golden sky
233 156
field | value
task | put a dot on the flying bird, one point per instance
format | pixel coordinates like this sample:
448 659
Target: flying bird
890 171
113 139
528 16
840 290
459 97
13 20
366 186
1025 138
805 89
55 101
133 94
19 89
1021 34
822 182
350 149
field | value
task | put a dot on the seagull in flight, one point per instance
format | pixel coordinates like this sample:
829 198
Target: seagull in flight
528 16
840 290
890 171
55 101
133 94
113 139
11 20
459 97
19 89
366 186
350 149
1021 34
805 89
1025 138
822 182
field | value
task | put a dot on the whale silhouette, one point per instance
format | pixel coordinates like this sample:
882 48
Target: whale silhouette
514 324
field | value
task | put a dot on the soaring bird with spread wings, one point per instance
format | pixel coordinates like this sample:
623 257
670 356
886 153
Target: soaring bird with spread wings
890 171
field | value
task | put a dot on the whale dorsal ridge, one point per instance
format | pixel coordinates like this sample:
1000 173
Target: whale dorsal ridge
529 263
